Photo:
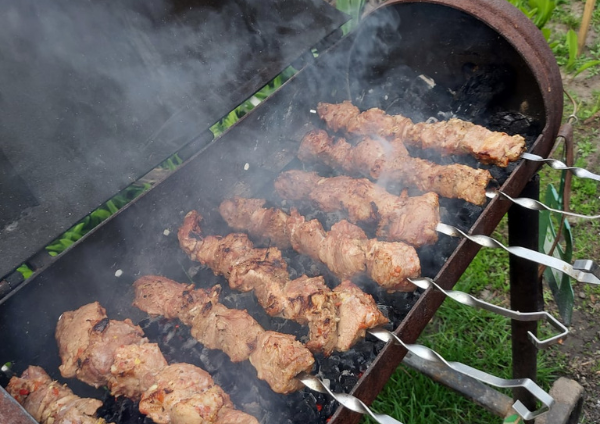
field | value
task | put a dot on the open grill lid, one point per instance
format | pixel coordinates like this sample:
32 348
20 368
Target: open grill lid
96 94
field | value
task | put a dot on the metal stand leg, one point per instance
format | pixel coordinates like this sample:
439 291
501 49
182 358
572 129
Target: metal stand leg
525 290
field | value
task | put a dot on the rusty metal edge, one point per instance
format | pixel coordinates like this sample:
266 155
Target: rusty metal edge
528 41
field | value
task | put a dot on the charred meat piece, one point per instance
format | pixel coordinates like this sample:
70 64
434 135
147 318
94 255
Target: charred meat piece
305 300
49 402
452 137
399 218
74 331
233 331
389 160
118 355
345 249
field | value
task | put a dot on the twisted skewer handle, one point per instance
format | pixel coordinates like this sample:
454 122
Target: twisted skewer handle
556 164
430 355
580 274
346 400
468 300
534 204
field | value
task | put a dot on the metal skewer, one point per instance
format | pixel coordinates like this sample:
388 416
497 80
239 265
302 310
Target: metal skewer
430 355
556 164
467 299
534 204
579 273
346 400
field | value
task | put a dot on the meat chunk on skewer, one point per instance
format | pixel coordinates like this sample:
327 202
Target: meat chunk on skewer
399 218
277 357
118 355
183 393
389 160
305 300
345 249
50 402
233 331
452 137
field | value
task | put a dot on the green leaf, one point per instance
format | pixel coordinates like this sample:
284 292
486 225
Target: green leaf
26 273
572 46
586 65
111 206
512 419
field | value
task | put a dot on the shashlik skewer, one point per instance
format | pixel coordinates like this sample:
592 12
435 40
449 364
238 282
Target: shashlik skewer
400 218
379 159
345 249
50 402
101 352
278 358
452 137
305 300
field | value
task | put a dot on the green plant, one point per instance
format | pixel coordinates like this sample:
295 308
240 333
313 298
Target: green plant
235 115
353 8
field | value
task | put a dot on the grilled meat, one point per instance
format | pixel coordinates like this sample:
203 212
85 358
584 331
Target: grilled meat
304 300
399 218
134 368
182 393
233 331
345 249
389 160
50 402
452 137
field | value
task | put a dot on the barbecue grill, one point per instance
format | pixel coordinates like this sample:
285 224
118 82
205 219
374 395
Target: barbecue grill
483 61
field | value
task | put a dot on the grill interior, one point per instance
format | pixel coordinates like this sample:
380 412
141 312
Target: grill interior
379 66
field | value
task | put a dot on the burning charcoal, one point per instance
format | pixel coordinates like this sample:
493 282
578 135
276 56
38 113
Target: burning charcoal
121 410
483 86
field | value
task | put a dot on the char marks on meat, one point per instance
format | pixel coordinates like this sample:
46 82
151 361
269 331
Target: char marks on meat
233 331
119 356
399 218
389 160
345 249
50 402
452 137
305 300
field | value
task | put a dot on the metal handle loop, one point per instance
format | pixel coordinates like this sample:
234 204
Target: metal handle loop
558 165
534 204
468 300
581 275
346 400
430 355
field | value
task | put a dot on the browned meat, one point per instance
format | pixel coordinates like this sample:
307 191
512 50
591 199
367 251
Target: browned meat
105 338
119 356
266 225
49 402
358 312
305 300
400 218
230 330
345 249
279 357
447 137
134 369
217 327
73 331
185 392
389 161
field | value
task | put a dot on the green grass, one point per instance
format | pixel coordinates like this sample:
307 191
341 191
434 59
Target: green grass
459 333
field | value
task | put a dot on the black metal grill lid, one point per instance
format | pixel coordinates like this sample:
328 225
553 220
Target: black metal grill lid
94 94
